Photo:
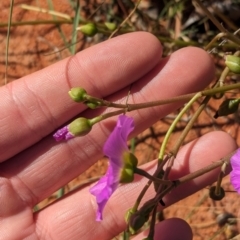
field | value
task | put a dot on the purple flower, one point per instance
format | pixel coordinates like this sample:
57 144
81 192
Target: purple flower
235 173
63 133
114 149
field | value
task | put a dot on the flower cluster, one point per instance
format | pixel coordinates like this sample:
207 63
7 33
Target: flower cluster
121 162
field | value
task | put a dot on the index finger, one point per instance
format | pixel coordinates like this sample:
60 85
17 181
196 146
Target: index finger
35 105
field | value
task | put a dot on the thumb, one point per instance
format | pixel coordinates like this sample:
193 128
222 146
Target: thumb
170 229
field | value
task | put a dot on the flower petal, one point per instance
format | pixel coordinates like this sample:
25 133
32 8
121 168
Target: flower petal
235 173
116 144
104 189
114 148
63 133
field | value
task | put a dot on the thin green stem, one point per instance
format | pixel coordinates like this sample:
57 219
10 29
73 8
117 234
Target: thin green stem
141 195
223 42
216 38
233 38
186 130
223 76
126 235
173 125
221 35
225 88
180 140
103 102
184 133
131 107
105 116
75 24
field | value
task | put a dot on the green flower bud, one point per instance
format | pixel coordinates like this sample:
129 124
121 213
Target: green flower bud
88 29
214 196
80 126
227 107
77 94
233 63
130 162
110 26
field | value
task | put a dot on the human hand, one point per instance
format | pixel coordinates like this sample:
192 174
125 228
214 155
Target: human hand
33 165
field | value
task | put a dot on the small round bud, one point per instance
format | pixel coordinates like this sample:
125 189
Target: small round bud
80 126
110 26
233 63
227 107
88 29
213 195
77 94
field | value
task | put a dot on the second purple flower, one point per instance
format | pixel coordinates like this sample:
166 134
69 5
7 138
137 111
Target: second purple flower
235 173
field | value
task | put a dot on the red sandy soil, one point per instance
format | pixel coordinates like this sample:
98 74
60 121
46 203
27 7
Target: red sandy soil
27 49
